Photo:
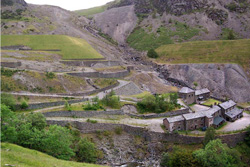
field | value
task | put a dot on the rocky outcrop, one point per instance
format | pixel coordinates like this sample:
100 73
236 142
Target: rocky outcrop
12 2
117 22
223 80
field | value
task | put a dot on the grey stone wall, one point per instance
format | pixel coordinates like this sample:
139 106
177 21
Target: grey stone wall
11 64
82 114
50 104
120 74
91 63
85 127
168 114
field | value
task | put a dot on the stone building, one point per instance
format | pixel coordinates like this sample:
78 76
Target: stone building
193 121
202 94
187 94
230 111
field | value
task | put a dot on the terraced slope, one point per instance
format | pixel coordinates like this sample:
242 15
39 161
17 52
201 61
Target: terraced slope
236 51
14 155
71 48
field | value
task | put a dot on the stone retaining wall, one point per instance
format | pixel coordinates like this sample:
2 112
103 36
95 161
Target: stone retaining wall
91 63
50 104
82 114
11 64
168 114
120 74
85 127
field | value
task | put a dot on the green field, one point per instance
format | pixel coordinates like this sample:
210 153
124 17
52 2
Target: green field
22 157
71 48
224 51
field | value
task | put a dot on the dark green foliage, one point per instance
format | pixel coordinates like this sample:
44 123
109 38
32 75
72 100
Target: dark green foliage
8 100
67 106
12 15
29 131
86 151
228 34
107 37
111 100
92 121
231 35
152 54
232 6
157 104
210 135
8 72
50 75
247 139
24 105
94 105
217 154
37 120
179 158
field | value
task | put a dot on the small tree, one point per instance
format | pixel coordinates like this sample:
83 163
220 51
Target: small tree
86 151
67 106
210 135
152 54
37 120
8 100
231 35
24 105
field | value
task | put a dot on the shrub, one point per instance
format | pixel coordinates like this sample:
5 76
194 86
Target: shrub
231 35
50 75
111 100
67 106
37 120
92 121
210 135
157 104
152 54
8 100
86 151
24 105
118 130
217 154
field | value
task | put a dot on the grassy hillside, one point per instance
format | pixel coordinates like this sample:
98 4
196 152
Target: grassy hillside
142 38
236 51
91 11
71 48
18 156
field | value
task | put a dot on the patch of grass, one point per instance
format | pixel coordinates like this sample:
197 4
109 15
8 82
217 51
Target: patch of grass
92 121
71 48
142 95
102 82
234 51
18 156
91 11
142 40
210 102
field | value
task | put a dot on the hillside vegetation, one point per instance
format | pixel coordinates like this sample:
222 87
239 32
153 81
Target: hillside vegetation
71 48
91 11
235 51
18 156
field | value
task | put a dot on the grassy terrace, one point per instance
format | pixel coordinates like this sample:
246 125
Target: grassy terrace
236 51
210 102
22 157
71 48
92 11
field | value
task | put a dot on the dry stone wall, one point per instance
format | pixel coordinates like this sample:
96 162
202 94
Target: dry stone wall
85 127
91 63
50 104
82 114
120 74
11 64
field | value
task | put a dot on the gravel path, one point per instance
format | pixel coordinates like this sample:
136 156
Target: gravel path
238 124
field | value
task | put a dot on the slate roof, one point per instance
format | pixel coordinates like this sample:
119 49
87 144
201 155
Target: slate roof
175 119
218 120
201 91
208 113
228 104
233 113
186 90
